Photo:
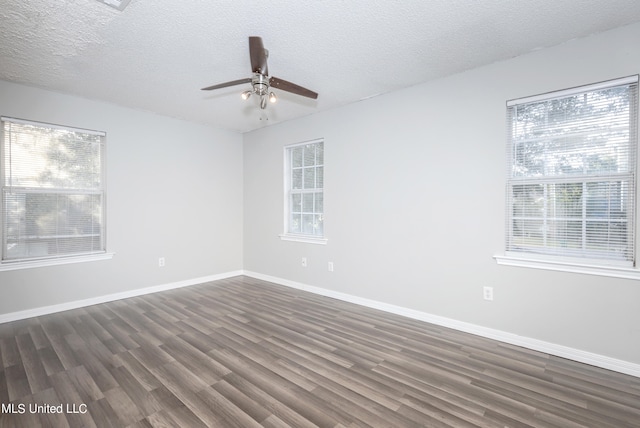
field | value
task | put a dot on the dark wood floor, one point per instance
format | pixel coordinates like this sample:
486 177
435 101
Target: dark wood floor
246 353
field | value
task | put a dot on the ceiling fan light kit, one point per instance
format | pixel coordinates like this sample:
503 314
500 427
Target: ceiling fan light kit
260 80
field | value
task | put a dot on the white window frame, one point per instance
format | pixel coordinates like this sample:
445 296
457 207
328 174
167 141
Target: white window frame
53 259
288 235
566 263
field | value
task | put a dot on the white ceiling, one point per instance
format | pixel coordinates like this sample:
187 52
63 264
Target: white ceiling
157 54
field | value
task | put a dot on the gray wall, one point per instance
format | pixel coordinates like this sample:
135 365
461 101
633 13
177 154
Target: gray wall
414 203
174 189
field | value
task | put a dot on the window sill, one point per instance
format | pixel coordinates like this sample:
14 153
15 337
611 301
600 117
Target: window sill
29 264
304 238
569 266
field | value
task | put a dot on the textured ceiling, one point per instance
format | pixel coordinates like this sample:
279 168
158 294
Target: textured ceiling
157 54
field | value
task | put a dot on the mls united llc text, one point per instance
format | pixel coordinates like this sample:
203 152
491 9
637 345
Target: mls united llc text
22 408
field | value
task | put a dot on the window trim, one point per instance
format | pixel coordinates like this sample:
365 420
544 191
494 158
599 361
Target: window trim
547 96
599 267
286 235
59 259
29 264
567 265
308 239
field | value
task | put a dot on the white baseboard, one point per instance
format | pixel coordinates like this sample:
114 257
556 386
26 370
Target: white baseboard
590 358
45 310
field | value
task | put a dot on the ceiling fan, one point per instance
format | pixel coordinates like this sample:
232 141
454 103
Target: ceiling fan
260 80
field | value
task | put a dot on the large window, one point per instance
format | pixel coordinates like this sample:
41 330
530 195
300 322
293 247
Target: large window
53 199
572 164
304 188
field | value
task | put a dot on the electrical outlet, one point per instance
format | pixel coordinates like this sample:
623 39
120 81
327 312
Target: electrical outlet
330 266
487 293
161 262
304 262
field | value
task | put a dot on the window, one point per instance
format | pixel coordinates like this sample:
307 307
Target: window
53 198
304 188
571 183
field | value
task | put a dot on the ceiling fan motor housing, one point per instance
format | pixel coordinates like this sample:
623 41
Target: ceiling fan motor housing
260 84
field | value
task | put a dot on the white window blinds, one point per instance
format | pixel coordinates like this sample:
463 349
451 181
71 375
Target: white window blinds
572 164
52 191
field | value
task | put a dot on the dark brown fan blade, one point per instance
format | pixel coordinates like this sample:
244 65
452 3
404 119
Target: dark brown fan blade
274 82
258 56
224 85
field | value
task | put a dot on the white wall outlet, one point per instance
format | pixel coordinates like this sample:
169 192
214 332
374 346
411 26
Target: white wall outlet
487 293
304 262
330 266
161 262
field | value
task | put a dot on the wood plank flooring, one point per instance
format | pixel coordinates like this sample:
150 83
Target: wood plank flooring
246 353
